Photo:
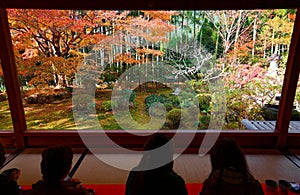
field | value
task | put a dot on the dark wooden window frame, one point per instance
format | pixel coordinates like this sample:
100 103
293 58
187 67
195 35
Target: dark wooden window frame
21 137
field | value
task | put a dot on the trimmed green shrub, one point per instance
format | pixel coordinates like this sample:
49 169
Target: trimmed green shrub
157 110
295 115
174 117
204 121
233 125
107 105
204 102
167 125
174 100
186 99
151 99
170 101
168 106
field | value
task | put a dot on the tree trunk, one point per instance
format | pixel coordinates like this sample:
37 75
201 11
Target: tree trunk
265 47
237 33
182 28
272 45
276 48
217 46
194 24
254 36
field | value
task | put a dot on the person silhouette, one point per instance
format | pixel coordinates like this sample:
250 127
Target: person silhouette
9 177
145 180
55 166
230 173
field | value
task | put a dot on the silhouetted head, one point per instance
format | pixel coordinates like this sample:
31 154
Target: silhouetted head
164 154
56 163
156 141
226 153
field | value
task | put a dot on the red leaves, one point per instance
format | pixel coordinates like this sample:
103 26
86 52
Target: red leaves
245 73
48 42
292 16
126 58
145 51
29 53
162 15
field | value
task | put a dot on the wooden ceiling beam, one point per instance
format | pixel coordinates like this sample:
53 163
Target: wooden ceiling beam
152 4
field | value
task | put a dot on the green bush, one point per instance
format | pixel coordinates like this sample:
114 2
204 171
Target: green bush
151 99
174 117
171 98
271 114
187 99
157 110
168 106
295 115
101 116
107 105
169 101
204 121
233 125
204 102
167 125
200 86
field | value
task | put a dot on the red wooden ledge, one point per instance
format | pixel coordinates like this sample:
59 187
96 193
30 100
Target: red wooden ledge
119 189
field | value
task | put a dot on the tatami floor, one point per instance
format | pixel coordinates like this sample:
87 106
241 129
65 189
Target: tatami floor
193 168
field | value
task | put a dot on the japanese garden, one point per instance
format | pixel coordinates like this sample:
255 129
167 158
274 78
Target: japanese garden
242 53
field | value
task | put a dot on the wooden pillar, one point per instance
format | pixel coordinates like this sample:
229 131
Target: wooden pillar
11 79
289 85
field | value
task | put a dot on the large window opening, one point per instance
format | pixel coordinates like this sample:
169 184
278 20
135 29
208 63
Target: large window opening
250 56
246 50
